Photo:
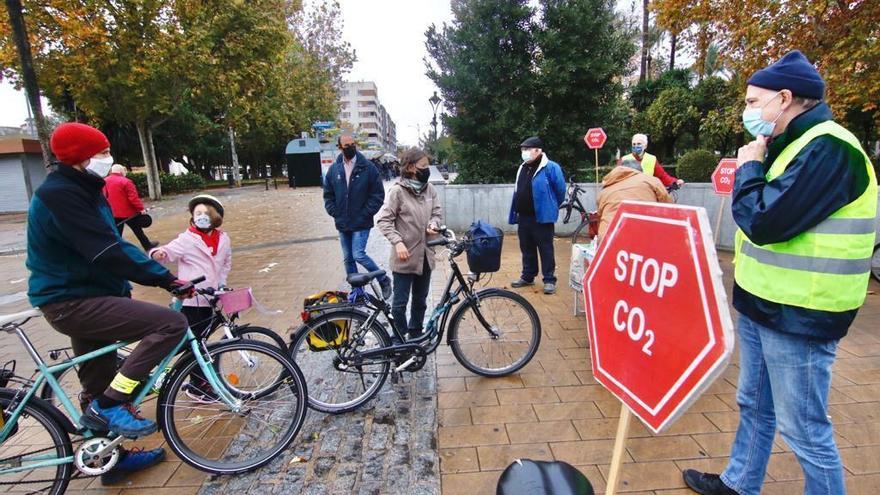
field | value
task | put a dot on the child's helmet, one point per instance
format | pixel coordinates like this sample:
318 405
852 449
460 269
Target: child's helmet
206 199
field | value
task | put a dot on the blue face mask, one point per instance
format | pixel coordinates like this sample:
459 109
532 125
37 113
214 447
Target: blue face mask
755 124
638 149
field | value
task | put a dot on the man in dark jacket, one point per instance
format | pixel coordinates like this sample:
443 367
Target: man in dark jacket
80 268
353 194
805 199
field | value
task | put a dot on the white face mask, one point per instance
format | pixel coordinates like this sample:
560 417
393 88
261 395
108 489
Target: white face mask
202 221
100 166
526 155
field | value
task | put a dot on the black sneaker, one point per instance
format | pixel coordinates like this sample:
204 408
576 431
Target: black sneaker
516 284
706 483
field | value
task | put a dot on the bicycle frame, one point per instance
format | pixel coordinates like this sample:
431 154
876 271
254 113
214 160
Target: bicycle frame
440 312
46 374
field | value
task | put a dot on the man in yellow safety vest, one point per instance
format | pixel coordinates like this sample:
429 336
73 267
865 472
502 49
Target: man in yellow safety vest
648 162
805 200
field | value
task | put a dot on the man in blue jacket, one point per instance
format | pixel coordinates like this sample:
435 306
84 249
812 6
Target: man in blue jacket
805 200
539 190
353 194
80 268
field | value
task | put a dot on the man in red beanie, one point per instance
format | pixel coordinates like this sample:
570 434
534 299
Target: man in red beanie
805 200
80 268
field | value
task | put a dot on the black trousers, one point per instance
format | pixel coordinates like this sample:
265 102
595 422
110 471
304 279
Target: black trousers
136 229
536 239
417 285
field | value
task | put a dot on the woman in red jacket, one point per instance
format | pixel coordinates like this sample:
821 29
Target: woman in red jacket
126 205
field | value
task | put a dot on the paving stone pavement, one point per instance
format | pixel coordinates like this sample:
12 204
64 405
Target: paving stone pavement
285 248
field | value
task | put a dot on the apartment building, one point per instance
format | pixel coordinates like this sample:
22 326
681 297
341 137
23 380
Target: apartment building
360 107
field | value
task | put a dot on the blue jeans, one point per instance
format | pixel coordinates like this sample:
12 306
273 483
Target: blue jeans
784 381
354 250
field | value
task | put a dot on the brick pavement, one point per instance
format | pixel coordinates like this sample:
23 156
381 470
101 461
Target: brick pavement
554 409
285 249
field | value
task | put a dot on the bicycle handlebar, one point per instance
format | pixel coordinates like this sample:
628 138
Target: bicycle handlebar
183 289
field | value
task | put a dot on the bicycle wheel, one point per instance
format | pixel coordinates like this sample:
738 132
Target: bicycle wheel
258 334
570 216
335 386
507 345
37 436
209 435
875 263
582 234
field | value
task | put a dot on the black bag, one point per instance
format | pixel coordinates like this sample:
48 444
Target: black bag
143 221
484 250
528 477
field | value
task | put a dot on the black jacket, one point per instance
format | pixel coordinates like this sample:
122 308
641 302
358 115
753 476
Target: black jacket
353 205
825 176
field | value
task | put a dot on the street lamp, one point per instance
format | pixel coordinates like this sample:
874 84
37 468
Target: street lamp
435 102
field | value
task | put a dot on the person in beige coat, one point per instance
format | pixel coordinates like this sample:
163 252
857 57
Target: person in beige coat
627 183
411 214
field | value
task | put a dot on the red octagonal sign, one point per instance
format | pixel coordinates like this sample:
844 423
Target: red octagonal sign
595 138
723 176
659 326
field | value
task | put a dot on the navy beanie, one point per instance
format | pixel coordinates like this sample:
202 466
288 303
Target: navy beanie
794 73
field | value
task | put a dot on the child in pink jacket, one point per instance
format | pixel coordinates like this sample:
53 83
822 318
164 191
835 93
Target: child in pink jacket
202 249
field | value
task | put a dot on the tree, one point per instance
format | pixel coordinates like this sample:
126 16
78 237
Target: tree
29 77
671 115
482 63
584 54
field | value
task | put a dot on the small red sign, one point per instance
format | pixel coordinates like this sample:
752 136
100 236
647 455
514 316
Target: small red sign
595 138
659 325
723 176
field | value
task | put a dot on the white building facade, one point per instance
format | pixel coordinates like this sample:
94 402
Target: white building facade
359 107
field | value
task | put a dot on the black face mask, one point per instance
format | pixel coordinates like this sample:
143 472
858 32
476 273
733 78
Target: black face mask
348 152
422 174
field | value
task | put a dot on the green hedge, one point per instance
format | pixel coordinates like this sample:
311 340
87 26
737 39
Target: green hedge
697 166
171 184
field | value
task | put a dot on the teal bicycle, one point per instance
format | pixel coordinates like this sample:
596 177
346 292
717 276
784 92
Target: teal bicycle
260 406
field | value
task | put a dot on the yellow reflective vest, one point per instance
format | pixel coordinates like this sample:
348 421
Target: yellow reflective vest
825 268
649 162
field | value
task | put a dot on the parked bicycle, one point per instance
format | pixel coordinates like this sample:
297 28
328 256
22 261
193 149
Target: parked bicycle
227 305
347 354
571 210
239 432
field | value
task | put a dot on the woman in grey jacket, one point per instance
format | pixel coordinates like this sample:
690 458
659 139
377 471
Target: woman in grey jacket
411 213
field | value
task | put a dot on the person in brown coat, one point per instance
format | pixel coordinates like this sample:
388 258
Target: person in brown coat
627 183
411 213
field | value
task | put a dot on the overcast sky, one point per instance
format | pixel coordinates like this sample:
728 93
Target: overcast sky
388 37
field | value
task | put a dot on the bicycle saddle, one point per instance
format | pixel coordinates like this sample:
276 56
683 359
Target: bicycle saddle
362 279
528 477
18 317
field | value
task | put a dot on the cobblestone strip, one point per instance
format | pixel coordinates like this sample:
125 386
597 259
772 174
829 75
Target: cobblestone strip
389 446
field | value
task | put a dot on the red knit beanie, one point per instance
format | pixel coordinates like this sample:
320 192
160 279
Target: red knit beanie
73 143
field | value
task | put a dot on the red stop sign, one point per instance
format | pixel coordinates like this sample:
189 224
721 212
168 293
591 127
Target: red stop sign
595 138
659 326
723 176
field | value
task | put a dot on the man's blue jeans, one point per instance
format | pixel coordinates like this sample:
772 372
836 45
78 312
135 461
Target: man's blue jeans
784 381
354 251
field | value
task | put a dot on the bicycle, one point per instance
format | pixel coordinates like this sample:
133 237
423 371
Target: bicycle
221 319
236 433
347 354
571 203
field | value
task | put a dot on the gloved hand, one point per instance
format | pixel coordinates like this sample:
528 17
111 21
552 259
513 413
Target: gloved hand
174 286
